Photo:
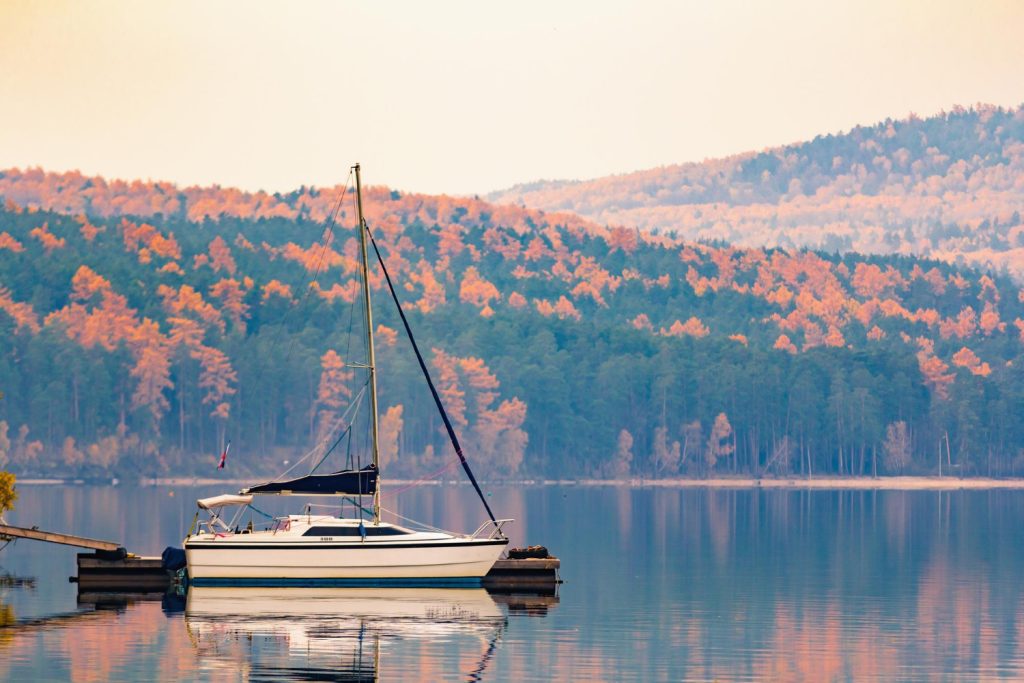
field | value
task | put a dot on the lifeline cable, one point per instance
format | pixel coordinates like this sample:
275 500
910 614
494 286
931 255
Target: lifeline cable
422 479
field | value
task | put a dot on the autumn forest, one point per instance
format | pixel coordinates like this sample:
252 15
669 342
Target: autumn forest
145 325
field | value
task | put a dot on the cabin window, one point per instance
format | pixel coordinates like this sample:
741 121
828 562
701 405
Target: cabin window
354 531
385 531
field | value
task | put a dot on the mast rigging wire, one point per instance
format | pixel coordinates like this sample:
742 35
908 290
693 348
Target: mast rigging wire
328 237
430 382
311 452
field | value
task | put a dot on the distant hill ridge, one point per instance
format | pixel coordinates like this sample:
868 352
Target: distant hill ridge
947 186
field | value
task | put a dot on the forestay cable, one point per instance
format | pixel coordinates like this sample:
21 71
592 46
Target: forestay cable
430 382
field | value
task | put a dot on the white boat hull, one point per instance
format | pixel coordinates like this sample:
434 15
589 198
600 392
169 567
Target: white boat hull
238 559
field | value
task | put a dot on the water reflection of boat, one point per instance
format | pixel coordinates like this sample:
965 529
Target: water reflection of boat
337 632
336 621
437 608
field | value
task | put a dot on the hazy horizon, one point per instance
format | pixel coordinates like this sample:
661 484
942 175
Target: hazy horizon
469 99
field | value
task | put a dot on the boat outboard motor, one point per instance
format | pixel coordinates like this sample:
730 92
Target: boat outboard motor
173 558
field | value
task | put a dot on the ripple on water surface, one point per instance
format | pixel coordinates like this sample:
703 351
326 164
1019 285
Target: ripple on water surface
662 584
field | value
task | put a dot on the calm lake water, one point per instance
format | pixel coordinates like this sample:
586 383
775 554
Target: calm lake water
661 584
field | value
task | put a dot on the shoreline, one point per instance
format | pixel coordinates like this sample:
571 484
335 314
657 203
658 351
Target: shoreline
908 483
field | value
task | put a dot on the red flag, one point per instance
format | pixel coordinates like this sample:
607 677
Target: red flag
224 456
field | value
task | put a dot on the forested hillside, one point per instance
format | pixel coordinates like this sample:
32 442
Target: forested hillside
948 186
143 325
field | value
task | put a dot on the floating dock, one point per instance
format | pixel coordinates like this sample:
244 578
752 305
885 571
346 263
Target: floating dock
97 572
526 575
111 568
142 574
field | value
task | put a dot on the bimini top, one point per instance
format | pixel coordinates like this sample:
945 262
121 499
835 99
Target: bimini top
344 483
222 501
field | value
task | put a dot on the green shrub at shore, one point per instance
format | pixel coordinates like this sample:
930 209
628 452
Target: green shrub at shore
7 493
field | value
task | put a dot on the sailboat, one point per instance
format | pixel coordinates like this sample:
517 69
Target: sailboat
322 549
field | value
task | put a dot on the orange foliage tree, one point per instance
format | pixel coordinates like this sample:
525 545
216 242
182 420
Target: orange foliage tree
8 242
692 327
22 314
333 392
216 378
232 296
220 256
965 358
476 290
277 288
452 395
933 369
390 431
152 370
47 238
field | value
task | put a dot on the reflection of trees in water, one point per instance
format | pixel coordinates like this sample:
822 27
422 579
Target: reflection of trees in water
99 642
8 582
7 620
750 584
825 585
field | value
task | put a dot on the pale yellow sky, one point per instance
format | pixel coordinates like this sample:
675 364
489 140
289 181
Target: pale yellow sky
468 97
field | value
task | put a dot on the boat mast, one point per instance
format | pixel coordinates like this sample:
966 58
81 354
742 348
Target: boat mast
371 360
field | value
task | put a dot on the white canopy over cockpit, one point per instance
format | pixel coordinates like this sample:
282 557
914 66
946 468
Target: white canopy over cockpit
223 500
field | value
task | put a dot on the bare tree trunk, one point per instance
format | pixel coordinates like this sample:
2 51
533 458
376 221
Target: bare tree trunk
263 427
181 414
839 436
735 455
544 438
74 397
312 409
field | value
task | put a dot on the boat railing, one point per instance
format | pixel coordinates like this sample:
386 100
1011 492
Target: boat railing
496 531
217 527
212 526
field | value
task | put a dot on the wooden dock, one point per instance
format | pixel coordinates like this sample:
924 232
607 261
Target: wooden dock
36 534
109 568
97 574
531 574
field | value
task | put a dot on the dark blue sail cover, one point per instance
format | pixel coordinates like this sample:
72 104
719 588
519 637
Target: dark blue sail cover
344 483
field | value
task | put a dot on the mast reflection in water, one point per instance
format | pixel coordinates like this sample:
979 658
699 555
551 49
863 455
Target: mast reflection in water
336 634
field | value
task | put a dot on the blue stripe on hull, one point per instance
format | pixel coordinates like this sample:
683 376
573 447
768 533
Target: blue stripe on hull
410 582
